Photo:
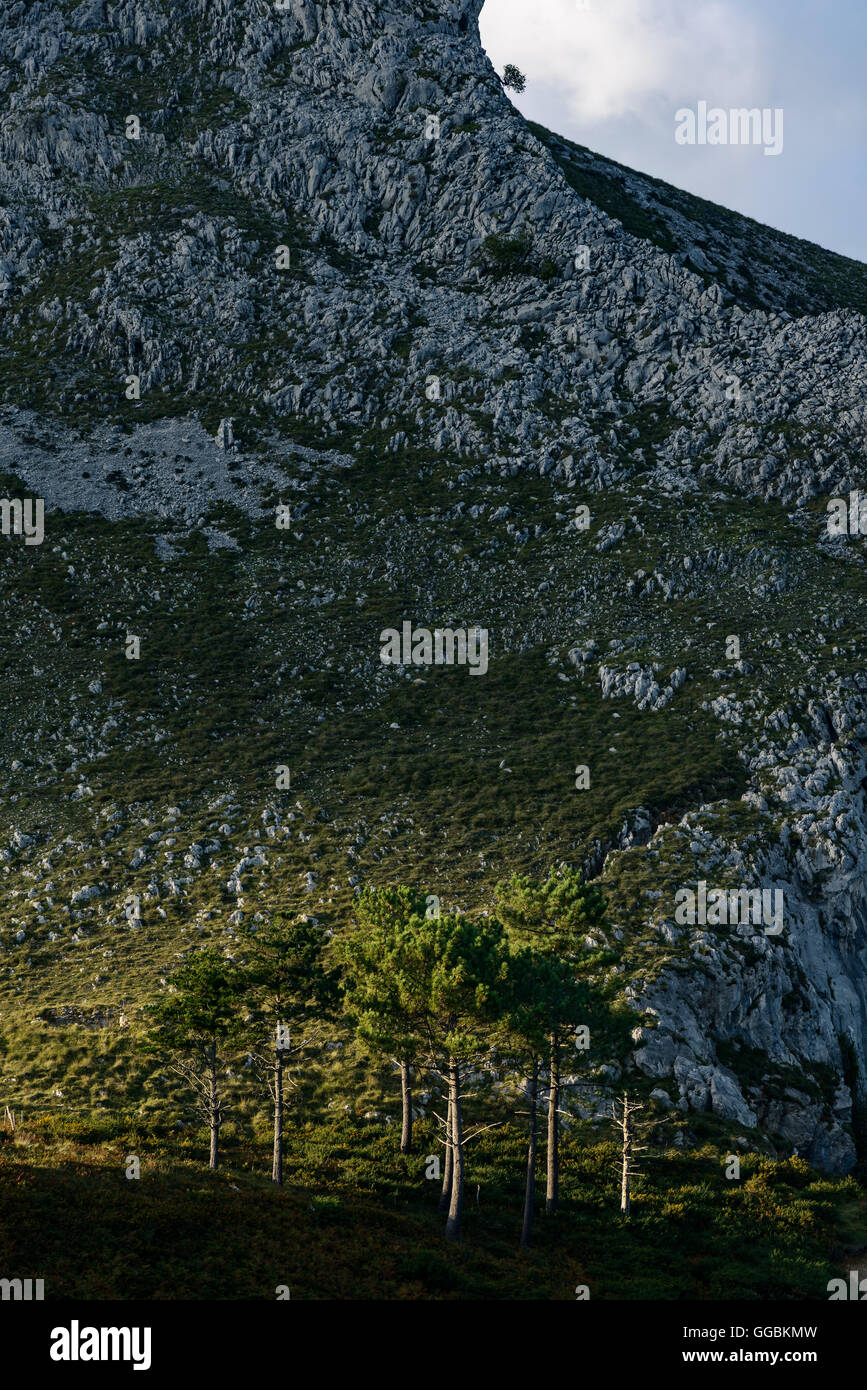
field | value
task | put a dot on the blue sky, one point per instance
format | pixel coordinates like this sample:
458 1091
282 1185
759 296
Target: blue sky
612 73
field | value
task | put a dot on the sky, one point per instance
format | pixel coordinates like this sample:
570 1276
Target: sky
612 74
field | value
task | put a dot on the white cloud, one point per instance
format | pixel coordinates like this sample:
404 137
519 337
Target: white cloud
618 58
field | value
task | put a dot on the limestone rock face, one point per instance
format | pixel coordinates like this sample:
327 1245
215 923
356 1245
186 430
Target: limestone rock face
155 157
797 998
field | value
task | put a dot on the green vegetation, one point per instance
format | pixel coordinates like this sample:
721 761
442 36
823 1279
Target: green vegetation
450 994
503 256
513 78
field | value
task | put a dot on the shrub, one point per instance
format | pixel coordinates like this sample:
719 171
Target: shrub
328 1209
431 1269
507 255
503 255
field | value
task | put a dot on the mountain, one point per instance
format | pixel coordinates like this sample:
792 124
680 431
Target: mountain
306 261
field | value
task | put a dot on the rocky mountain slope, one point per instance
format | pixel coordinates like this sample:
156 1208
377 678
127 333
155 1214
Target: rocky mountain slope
328 273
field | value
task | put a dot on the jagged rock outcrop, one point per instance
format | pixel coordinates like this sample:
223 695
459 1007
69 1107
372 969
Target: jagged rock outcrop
309 126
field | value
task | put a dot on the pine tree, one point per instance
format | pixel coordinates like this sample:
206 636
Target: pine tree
464 967
554 917
293 993
192 1026
546 999
382 984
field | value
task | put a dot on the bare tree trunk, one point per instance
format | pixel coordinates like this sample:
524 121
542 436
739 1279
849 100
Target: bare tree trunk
446 1194
626 1169
631 1130
277 1166
213 1106
453 1224
553 1151
530 1191
406 1108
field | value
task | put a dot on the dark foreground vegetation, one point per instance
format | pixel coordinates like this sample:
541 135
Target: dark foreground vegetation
356 1219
